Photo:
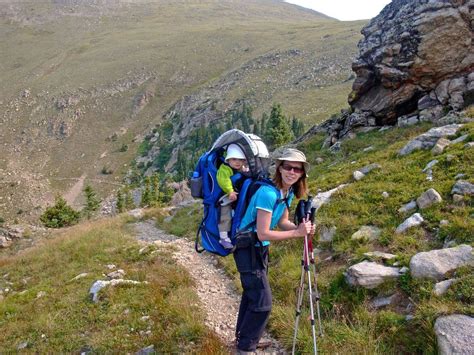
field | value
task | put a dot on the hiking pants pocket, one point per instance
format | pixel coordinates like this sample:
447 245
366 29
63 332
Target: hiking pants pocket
257 290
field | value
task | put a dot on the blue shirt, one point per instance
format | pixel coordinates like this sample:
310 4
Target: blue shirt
268 199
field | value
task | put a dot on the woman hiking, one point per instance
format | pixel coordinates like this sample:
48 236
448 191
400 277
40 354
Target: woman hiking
268 208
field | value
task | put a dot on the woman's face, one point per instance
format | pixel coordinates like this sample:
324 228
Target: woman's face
291 172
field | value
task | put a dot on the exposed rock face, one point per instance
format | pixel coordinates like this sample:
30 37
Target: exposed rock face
435 264
415 55
454 334
415 64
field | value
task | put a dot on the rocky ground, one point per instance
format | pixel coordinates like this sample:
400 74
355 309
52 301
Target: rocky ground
218 295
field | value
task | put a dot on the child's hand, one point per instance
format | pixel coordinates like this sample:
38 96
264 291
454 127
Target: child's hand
233 196
245 169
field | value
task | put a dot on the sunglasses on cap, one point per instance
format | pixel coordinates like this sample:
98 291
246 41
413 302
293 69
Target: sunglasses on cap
295 169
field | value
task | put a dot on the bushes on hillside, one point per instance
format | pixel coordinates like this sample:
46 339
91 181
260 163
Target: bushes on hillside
60 215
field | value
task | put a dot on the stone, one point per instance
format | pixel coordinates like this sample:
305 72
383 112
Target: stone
368 168
430 165
406 121
460 139
322 198
458 198
428 139
385 194
469 145
327 234
454 334
136 213
462 187
370 275
100 284
357 175
428 198
146 351
4 242
380 302
410 206
412 221
440 145
379 255
444 222
319 160
459 176
117 274
369 233
441 287
435 264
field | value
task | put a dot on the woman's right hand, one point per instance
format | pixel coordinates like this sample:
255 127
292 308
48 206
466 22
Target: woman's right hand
304 228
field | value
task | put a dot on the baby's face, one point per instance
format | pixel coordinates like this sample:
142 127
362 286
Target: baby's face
236 164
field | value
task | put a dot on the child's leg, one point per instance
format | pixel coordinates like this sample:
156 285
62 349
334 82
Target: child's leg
224 226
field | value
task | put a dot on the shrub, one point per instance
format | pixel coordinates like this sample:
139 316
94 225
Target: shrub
2 220
124 147
60 215
106 171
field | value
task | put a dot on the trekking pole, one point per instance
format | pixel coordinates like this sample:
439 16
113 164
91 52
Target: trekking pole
304 212
313 263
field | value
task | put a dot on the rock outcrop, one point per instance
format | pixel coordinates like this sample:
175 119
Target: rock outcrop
415 55
415 64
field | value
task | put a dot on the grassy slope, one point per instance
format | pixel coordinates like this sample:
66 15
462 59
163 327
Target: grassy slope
175 47
348 321
64 320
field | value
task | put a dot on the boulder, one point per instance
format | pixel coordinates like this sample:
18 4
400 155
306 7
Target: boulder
435 264
379 255
370 275
454 334
357 175
428 198
412 221
369 233
462 187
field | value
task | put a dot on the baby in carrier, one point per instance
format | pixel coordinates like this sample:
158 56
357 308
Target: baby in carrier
235 162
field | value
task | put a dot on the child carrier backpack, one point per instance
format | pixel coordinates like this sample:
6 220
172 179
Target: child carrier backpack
204 185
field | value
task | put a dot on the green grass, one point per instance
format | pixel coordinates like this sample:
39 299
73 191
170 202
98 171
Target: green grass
64 320
348 320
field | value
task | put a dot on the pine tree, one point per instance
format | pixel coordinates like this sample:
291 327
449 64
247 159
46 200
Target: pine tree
129 203
120 203
278 131
60 215
92 202
155 189
297 127
146 194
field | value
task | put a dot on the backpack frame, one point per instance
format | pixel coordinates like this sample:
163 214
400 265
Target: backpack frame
204 185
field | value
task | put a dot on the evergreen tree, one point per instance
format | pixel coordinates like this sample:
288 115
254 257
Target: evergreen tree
129 203
120 203
92 202
60 215
146 194
166 191
278 131
263 124
155 189
297 127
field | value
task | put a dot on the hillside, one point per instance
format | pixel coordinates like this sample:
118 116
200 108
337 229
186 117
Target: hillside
359 225
87 80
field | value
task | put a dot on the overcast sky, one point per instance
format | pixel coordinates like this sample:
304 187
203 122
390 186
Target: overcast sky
345 10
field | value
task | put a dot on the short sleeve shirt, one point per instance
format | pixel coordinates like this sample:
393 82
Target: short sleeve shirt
268 199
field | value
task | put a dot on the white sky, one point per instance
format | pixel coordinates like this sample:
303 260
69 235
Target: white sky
345 10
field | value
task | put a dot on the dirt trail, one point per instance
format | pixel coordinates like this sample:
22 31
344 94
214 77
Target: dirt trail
74 191
219 297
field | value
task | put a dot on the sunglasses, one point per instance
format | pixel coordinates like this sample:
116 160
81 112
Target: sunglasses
294 168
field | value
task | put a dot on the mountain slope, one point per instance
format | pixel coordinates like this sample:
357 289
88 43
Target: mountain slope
87 79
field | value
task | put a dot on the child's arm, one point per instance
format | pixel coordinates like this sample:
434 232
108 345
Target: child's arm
223 179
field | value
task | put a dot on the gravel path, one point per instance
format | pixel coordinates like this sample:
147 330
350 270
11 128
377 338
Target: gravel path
218 296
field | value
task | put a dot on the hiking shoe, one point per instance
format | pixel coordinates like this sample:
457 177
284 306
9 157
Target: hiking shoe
226 244
264 343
